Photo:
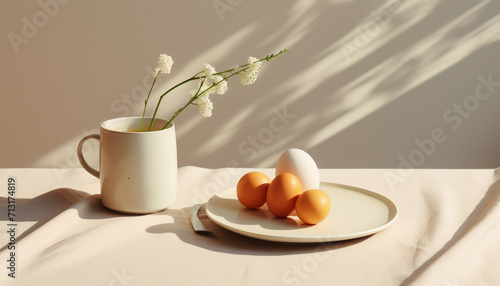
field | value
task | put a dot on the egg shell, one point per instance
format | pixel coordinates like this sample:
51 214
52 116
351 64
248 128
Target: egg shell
282 194
313 206
252 188
302 165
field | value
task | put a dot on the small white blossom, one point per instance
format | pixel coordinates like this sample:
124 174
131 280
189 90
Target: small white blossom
204 88
164 65
209 80
192 92
255 65
249 76
205 106
221 87
209 71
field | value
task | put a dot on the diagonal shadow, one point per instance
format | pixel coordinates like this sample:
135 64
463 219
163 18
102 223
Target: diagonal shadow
222 240
42 208
45 209
47 206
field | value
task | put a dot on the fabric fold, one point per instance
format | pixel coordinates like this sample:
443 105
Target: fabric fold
462 259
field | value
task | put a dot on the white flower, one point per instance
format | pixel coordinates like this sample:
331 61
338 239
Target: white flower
193 92
221 87
249 76
164 65
203 88
255 65
209 71
211 79
205 106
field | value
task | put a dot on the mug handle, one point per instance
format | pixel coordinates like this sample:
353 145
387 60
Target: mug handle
84 163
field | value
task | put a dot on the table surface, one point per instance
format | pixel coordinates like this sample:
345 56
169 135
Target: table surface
447 233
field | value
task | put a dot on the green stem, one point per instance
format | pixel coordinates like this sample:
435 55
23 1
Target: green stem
146 102
161 97
200 94
196 96
267 58
178 112
197 76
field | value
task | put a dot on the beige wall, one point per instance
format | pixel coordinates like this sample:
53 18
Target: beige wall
368 83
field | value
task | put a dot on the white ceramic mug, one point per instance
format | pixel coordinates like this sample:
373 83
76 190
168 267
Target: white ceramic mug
137 170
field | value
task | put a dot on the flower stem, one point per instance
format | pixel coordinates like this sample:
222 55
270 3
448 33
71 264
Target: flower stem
192 99
198 75
268 58
161 97
146 102
178 112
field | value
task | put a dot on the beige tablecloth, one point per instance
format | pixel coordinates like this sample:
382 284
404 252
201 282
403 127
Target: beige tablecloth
447 233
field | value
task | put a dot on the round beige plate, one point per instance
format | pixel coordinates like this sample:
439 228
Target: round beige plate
355 213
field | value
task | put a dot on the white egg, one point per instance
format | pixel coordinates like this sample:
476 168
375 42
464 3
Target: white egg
302 165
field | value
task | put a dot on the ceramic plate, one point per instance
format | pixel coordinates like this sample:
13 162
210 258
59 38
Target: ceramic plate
355 213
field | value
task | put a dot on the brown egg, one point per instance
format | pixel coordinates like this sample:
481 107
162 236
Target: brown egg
252 188
282 194
313 206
